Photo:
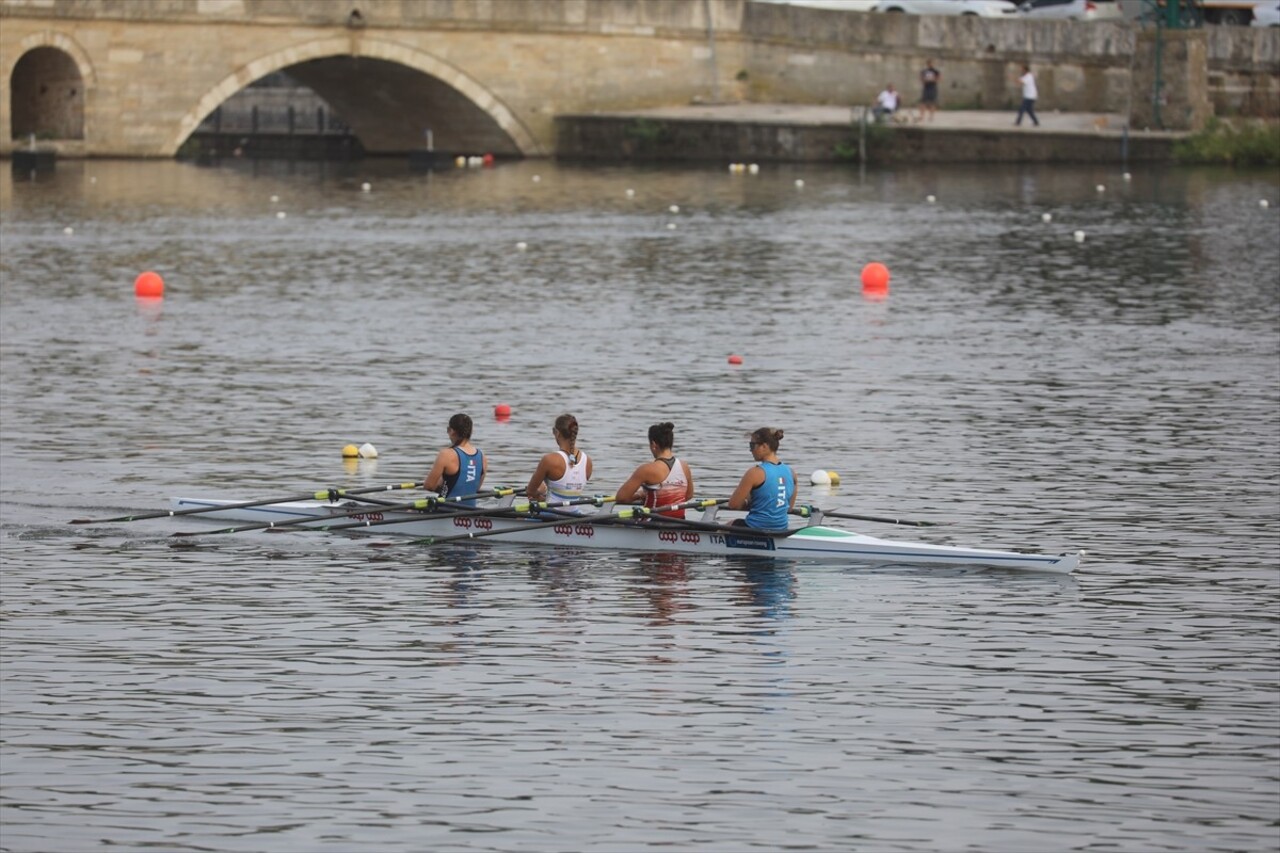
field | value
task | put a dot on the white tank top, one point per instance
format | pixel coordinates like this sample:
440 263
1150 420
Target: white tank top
572 485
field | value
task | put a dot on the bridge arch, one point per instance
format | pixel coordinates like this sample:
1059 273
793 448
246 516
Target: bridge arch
47 84
519 138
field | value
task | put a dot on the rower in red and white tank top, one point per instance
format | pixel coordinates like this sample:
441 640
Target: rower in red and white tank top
672 490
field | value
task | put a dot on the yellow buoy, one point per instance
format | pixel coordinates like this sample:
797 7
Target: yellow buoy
835 478
350 451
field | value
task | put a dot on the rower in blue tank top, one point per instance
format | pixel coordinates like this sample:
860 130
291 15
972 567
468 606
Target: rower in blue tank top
459 468
768 490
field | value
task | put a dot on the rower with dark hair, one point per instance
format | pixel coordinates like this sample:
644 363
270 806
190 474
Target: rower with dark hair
768 490
459 468
562 475
663 481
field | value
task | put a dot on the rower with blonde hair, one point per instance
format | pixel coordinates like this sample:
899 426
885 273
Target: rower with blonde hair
562 475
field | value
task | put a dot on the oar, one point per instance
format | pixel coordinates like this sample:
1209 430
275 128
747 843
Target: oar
518 509
324 495
599 518
423 504
807 511
644 516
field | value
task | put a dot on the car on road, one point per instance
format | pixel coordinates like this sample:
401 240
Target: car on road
1266 14
1079 10
976 8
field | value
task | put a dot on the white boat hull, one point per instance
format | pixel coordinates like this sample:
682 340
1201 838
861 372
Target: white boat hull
812 542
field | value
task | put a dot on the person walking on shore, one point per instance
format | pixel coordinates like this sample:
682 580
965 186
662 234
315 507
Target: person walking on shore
1029 95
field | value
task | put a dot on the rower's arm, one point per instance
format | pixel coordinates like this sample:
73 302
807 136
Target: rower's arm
741 498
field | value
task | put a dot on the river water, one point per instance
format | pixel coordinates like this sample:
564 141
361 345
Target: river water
304 692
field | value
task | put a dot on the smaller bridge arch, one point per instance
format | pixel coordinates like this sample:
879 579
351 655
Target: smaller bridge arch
398 92
48 80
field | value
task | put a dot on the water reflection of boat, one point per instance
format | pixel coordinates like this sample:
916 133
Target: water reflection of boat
768 585
665 581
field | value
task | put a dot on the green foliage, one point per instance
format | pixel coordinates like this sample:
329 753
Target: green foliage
647 132
1254 143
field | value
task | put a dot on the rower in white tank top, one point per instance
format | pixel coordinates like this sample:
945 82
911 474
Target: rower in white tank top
573 484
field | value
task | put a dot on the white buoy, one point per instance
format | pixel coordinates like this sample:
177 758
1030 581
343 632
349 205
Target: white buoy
94 179
631 193
1100 188
1079 236
931 199
1128 177
675 208
368 451
537 178
1046 217
754 169
521 246
68 230
365 187
1262 202
275 199
820 478
799 183
671 226
280 214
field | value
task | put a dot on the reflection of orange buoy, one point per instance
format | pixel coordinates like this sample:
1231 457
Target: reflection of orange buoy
148 284
735 359
502 411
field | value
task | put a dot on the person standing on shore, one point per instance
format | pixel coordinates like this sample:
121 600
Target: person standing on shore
1029 95
929 79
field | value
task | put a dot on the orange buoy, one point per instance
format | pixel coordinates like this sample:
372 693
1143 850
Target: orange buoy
148 284
502 410
487 160
735 359
875 276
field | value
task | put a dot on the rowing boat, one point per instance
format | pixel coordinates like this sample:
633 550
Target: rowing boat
703 536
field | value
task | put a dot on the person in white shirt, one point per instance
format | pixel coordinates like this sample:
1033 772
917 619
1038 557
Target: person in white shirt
1029 96
886 103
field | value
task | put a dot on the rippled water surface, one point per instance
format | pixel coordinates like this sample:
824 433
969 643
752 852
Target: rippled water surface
304 692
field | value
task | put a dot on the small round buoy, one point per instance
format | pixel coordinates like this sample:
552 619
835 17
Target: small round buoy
799 183
537 178
753 169
68 230
280 214
1046 217
1127 176
502 410
148 284
350 451
275 199
671 226
368 451
1101 188
735 359
1079 236
1262 202
365 187
820 478
521 246
875 277
94 179
931 198
675 208
486 160
733 168
460 161
631 193
834 478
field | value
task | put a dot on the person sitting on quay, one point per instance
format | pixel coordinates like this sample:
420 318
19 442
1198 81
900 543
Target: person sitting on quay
886 103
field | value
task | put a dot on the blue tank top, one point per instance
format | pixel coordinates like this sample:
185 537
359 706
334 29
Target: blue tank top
467 480
771 500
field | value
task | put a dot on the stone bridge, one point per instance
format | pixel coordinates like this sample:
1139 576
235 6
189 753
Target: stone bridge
134 78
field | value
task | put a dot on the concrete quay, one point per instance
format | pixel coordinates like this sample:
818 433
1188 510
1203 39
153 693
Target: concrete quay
750 132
